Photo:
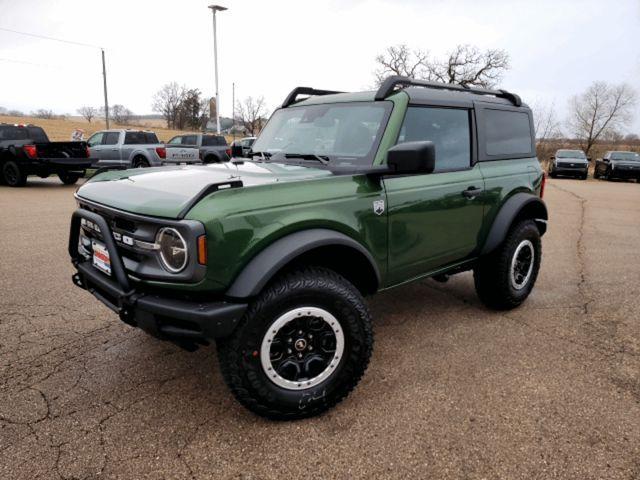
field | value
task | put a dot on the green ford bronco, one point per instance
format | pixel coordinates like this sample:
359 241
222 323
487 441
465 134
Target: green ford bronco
343 195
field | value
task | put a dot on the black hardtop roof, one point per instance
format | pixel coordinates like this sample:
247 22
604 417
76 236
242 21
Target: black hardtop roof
428 95
419 91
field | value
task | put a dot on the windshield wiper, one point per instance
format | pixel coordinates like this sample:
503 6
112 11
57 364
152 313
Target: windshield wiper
308 156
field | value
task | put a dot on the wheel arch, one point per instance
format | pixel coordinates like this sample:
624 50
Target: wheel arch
317 246
518 207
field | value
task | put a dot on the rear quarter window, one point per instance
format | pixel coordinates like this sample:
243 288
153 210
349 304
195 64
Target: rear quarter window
213 141
507 133
37 134
140 138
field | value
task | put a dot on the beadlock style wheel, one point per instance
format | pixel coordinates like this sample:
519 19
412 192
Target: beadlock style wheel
302 348
522 265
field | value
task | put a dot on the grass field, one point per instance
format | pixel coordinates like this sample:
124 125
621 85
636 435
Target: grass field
60 130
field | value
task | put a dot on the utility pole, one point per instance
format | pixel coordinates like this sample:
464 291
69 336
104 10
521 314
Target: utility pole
106 100
233 110
214 9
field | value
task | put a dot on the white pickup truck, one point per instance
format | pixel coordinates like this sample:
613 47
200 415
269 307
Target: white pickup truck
136 148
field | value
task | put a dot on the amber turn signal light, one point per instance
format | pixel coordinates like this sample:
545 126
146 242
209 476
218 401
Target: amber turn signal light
202 249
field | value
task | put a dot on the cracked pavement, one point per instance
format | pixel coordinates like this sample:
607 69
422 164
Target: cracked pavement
549 390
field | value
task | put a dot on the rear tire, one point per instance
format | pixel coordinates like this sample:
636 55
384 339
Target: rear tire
505 278
13 175
300 348
140 162
69 178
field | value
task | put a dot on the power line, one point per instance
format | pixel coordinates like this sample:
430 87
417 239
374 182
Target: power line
30 63
44 37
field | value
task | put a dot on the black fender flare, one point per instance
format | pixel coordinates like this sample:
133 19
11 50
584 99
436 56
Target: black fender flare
255 275
516 205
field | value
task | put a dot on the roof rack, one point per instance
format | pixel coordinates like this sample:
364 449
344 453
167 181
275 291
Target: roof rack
293 96
390 83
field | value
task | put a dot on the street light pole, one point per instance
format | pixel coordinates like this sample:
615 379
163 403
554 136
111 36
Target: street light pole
106 101
214 9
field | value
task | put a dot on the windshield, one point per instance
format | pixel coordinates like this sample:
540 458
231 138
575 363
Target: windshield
570 154
343 133
630 156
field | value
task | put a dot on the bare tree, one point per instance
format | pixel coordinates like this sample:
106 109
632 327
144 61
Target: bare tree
600 110
121 114
3 111
546 123
400 60
250 114
43 113
632 138
89 113
465 65
167 102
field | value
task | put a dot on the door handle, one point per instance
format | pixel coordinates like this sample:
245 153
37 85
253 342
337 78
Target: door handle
471 192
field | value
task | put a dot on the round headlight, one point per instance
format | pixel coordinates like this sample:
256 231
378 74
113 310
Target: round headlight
173 249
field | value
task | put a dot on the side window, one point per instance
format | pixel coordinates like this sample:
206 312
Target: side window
111 138
507 132
96 139
189 140
175 141
449 130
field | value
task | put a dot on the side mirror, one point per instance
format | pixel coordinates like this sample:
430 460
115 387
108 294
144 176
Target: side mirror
588 159
412 157
236 151
553 157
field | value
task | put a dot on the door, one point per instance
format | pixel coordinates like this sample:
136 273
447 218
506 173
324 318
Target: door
435 219
111 149
95 147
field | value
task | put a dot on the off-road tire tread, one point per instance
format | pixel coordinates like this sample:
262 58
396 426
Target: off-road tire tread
230 349
491 276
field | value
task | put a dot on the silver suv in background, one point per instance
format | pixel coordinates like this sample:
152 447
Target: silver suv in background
136 148
212 148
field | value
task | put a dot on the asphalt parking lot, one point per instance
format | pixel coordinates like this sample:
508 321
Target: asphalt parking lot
550 390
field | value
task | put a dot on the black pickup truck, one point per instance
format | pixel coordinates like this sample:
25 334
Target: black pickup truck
26 150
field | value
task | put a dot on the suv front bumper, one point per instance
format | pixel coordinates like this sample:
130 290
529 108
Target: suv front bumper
186 322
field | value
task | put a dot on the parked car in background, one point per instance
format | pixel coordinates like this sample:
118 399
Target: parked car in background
136 148
26 150
569 163
212 148
245 143
618 164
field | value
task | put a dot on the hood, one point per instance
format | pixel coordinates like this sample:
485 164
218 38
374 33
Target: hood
166 191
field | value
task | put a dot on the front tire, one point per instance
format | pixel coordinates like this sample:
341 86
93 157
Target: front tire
13 175
505 278
300 348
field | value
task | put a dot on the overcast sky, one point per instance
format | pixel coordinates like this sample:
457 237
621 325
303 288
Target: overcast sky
557 47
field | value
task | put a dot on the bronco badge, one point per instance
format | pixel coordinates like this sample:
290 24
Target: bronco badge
378 207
